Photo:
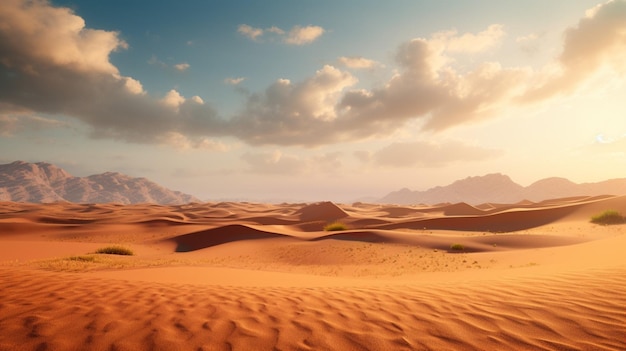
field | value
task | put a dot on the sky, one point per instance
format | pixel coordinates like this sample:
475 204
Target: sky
315 100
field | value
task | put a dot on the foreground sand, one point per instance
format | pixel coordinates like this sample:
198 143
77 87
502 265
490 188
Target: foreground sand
241 276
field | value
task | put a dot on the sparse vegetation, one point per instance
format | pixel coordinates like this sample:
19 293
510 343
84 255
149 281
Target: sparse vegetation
457 247
608 217
335 226
83 258
115 250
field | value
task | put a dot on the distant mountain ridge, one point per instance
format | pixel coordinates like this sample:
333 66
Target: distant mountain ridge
43 182
499 188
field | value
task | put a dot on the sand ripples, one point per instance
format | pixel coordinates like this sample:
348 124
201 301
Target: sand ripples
56 311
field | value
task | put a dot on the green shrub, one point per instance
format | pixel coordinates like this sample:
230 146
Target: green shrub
457 247
608 217
335 226
115 250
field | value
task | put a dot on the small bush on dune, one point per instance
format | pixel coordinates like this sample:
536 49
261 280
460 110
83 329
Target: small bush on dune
608 217
457 247
84 258
115 250
335 226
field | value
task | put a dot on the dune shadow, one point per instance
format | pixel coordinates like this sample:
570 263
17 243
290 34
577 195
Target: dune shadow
221 235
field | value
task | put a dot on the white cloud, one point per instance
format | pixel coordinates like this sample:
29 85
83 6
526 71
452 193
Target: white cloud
357 62
249 31
303 35
234 81
182 66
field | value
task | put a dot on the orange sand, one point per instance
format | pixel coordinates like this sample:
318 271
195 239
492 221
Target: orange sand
243 276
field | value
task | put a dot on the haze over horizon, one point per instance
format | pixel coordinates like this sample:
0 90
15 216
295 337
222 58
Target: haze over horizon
315 100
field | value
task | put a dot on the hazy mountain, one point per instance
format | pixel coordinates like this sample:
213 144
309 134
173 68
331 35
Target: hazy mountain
43 182
499 188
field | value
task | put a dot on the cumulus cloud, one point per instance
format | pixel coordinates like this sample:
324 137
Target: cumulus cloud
357 62
297 35
294 113
249 31
303 35
44 48
428 154
182 66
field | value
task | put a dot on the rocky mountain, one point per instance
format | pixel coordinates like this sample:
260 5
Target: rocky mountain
43 182
499 188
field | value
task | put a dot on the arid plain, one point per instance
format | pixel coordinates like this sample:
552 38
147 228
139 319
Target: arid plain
247 276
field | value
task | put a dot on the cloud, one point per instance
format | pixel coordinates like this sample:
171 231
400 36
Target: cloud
182 66
276 30
596 43
357 62
43 48
249 31
15 123
428 154
297 35
429 86
234 81
303 35
469 42
181 142
294 113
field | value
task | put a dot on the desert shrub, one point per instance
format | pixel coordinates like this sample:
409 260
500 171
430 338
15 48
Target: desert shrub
335 226
83 258
608 217
115 250
457 247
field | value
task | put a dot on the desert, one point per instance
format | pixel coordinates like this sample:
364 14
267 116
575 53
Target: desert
253 276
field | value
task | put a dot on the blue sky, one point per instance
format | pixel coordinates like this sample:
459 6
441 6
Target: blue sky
315 100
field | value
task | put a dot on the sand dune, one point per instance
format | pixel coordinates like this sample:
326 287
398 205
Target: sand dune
241 276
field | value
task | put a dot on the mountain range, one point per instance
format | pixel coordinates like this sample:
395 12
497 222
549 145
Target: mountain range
499 188
43 182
